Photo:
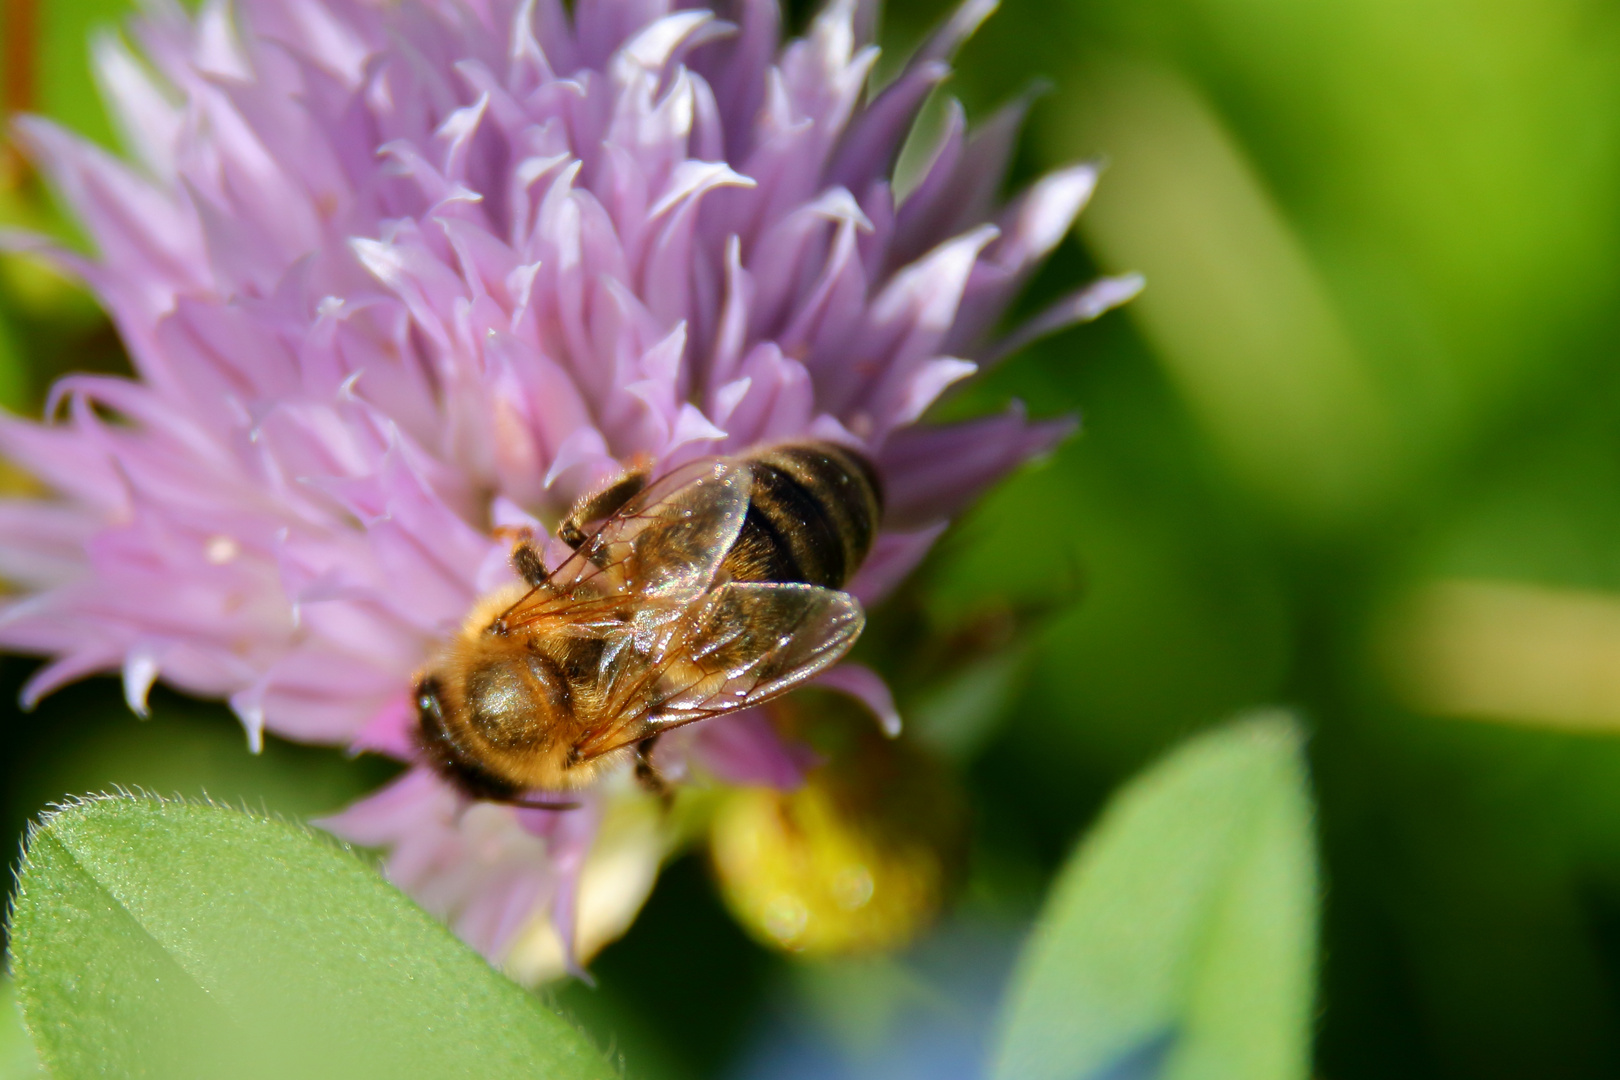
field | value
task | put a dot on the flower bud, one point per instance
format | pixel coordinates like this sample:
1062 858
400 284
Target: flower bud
860 858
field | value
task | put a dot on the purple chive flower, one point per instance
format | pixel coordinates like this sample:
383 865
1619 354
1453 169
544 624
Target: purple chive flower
393 275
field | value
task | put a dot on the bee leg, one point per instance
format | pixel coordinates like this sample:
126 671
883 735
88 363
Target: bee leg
527 559
529 563
598 505
647 774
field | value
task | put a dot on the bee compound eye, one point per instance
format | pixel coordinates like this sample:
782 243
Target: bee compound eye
429 706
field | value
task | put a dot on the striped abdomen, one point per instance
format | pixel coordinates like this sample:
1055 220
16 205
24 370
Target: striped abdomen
811 518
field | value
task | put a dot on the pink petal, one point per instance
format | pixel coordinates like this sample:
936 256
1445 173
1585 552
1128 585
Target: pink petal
866 686
392 731
743 748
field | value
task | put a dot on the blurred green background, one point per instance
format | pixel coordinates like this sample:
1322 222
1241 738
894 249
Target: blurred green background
1356 450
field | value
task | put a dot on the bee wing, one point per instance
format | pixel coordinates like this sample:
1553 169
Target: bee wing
740 645
665 544
668 541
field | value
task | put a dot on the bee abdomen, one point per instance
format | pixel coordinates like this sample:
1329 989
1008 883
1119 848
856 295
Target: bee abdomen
813 513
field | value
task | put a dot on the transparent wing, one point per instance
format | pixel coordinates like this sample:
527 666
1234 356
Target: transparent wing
666 543
740 645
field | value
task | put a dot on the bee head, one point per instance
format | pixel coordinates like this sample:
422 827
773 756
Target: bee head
492 722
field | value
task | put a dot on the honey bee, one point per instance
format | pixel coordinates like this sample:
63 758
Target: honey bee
712 588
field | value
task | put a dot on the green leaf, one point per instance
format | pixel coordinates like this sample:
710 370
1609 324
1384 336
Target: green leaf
17 1058
1179 942
168 939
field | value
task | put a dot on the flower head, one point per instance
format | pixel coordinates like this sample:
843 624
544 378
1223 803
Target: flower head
394 275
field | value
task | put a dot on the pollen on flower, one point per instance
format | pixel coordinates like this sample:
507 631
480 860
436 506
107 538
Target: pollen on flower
397 278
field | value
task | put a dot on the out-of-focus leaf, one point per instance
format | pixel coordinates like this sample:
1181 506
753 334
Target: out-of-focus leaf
170 939
957 717
65 89
38 290
1468 250
1468 245
1177 615
57 82
13 375
1180 940
1507 650
1242 321
17 1058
